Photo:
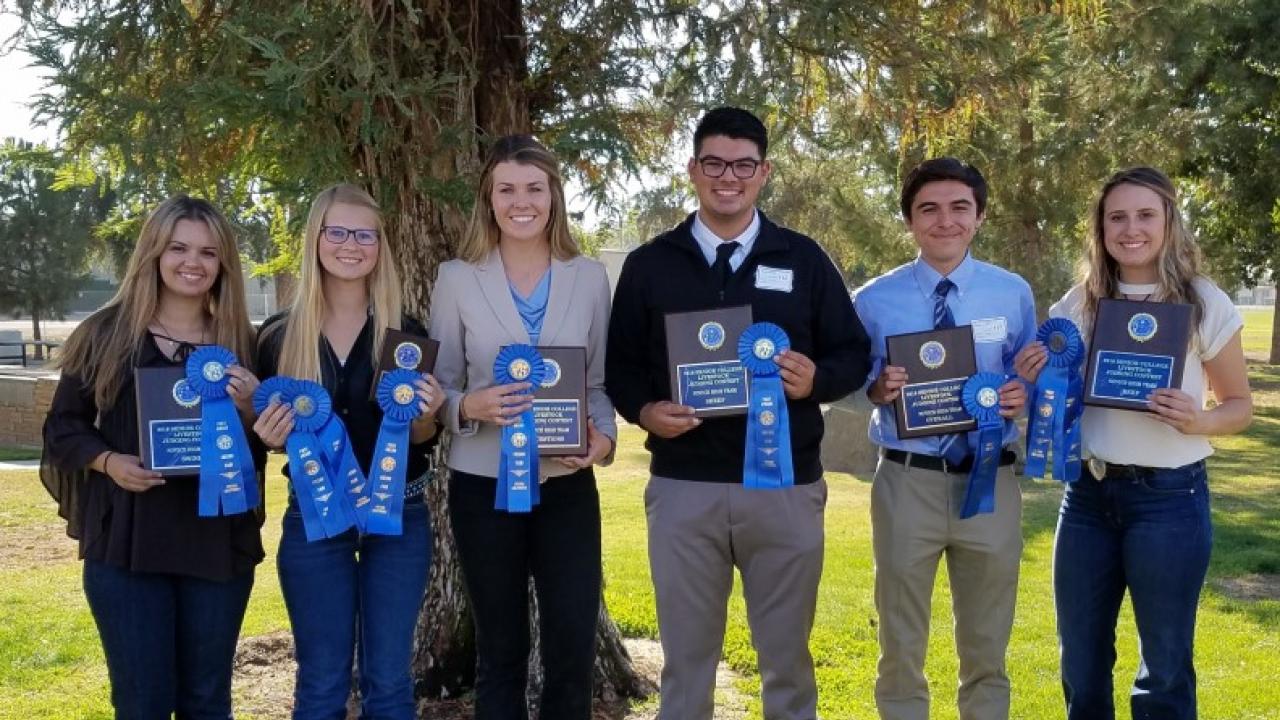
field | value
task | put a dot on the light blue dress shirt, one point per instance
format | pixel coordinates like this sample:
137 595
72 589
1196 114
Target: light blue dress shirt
709 241
533 308
997 303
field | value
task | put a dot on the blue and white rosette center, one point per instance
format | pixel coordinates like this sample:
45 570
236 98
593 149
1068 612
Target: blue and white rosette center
767 462
1061 338
517 484
228 483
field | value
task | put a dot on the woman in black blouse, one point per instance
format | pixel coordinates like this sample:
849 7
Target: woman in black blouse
167 588
353 586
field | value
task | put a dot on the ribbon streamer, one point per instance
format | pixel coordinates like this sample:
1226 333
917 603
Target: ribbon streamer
981 398
344 468
398 398
228 483
767 463
325 511
517 489
1057 403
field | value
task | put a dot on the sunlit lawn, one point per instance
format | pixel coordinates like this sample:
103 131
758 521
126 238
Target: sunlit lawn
52 666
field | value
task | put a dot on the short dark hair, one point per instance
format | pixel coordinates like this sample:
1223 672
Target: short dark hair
943 168
734 123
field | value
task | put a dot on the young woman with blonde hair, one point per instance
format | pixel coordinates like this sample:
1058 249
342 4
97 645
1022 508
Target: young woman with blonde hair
1139 517
352 591
167 588
520 279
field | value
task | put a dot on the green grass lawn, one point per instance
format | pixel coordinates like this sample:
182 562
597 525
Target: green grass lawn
9 454
52 665
1257 331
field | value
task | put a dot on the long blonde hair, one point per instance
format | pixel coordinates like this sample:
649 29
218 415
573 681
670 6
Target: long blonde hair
1177 265
104 348
300 350
483 233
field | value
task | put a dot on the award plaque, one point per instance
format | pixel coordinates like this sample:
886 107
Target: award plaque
1137 347
402 350
938 363
560 402
169 425
702 353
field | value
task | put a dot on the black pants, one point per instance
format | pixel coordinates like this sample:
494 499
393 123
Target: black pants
559 545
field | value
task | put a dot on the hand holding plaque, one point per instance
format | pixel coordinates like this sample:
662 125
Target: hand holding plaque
1137 347
938 363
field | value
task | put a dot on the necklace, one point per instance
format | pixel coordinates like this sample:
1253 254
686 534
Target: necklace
1131 291
178 348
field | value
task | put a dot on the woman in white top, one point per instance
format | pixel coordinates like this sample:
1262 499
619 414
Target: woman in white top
1138 519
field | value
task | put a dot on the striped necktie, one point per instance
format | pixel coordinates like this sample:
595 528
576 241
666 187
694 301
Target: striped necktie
942 317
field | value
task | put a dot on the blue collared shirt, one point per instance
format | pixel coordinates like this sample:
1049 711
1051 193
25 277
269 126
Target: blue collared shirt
997 303
709 241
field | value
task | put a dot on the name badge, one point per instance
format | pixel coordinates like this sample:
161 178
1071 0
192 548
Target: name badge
989 330
768 278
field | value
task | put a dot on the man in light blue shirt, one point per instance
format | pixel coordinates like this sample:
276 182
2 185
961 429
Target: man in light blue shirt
920 483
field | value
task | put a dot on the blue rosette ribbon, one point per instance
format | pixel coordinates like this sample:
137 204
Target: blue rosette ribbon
981 398
228 482
767 463
398 398
324 507
277 388
517 490
1057 403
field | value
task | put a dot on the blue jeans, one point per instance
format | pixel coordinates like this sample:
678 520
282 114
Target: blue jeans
347 591
1146 530
169 640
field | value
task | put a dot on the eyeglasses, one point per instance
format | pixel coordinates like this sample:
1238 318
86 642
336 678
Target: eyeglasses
714 167
337 235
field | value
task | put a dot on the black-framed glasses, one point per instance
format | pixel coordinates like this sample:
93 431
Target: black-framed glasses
743 168
337 235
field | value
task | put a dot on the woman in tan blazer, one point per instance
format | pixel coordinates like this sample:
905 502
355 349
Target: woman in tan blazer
520 278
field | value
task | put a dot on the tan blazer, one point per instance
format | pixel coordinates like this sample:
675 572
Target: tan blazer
473 316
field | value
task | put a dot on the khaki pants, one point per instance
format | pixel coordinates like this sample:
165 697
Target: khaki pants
698 532
915 519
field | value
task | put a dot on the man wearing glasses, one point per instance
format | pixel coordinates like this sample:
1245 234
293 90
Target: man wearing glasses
702 521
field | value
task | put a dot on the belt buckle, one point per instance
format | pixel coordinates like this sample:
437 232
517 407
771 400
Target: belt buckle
1098 468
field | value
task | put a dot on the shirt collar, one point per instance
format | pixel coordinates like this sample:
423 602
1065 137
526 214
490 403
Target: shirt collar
927 278
709 241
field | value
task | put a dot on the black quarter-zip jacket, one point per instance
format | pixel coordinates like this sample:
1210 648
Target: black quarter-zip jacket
670 274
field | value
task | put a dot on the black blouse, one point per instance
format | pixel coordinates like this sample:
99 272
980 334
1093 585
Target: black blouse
349 387
157 530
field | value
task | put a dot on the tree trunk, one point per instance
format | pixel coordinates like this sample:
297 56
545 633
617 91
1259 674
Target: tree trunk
285 284
1274 359
615 680
484 54
37 350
